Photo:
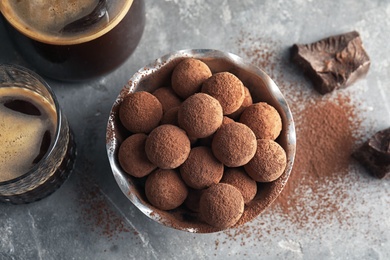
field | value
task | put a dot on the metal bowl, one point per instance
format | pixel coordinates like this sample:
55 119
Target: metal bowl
149 78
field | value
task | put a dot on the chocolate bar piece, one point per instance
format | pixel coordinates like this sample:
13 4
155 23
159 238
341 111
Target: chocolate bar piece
334 62
375 154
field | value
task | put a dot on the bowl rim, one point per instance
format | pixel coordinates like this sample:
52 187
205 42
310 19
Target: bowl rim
148 70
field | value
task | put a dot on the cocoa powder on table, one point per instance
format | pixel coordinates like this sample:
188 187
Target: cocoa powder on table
326 137
325 141
97 213
328 129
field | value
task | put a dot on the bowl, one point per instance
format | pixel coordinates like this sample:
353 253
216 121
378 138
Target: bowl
152 76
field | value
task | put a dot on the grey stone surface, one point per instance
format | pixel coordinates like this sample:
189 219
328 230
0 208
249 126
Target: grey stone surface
89 218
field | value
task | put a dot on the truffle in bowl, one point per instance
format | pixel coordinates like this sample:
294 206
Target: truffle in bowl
176 158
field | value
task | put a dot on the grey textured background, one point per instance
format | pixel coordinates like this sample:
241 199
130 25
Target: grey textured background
89 218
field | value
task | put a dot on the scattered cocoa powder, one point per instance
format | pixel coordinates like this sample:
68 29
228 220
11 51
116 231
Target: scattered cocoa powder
327 132
325 141
328 129
97 213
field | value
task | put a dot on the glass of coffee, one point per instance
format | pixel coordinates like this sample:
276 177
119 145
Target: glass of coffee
37 147
75 40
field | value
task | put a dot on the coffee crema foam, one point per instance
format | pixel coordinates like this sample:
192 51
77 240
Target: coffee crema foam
50 16
21 134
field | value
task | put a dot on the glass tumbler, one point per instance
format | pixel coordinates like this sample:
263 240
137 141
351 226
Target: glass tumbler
38 150
72 40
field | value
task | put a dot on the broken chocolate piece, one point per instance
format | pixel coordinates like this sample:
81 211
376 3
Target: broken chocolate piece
334 62
375 154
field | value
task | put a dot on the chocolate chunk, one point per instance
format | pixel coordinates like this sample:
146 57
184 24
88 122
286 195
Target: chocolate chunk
375 154
334 62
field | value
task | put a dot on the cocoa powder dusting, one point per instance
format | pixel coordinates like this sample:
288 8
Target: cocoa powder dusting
328 129
98 213
325 142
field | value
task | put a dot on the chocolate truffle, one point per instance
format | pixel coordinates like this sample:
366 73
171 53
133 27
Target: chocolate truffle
201 169
167 98
333 62
165 189
269 162
170 117
374 154
132 156
234 144
167 146
246 103
263 119
227 89
227 120
207 140
221 205
188 76
140 112
200 115
238 178
193 199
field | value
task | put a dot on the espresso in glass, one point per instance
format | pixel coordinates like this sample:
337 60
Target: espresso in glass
75 40
37 151
27 126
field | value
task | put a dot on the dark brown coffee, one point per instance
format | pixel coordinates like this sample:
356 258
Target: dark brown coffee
37 149
27 126
75 40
